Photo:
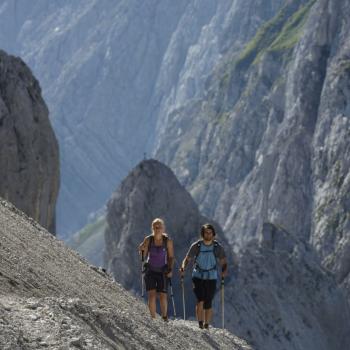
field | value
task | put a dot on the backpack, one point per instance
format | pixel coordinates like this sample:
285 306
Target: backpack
213 250
164 245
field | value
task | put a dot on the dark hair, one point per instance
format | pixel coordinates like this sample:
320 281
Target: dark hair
207 226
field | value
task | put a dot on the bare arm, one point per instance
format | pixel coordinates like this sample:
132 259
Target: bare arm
143 247
170 254
184 264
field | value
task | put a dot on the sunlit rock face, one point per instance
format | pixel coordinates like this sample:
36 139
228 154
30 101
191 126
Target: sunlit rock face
270 139
29 165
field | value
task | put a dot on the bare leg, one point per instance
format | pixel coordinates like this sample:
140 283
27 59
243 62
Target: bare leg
152 296
199 311
163 297
208 313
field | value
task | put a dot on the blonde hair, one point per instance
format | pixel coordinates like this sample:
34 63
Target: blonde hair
156 221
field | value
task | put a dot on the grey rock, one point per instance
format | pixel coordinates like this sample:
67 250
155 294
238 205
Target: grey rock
29 164
282 298
71 293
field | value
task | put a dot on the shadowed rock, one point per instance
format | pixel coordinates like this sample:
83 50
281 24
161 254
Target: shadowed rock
29 165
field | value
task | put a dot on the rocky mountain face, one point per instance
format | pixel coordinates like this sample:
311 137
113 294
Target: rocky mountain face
269 142
151 190
51 298
283 299
111 72
29 160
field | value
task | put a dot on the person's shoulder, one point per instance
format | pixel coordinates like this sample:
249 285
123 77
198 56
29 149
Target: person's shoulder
219 246
197 242
148 238
166 237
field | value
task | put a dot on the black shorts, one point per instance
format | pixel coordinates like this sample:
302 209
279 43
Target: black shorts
157 281
204 291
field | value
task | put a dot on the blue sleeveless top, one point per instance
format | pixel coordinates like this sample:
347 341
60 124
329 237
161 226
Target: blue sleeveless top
205 263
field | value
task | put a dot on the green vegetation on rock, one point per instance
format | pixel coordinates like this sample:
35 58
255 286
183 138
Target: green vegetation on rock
83 235
290 34
280 33
89 241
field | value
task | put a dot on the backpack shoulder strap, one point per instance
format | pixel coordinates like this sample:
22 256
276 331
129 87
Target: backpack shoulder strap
198 248
150 241
165 241
217 245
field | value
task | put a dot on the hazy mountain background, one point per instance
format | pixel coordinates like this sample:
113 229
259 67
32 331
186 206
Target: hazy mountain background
112 70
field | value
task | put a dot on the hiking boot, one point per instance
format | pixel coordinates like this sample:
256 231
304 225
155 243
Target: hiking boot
200 323
165 318
206 326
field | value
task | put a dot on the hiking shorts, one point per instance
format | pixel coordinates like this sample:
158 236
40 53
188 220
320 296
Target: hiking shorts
157 281
204 291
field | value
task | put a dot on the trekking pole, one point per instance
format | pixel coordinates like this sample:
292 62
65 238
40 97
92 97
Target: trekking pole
142 281
172 297
183 296
223 302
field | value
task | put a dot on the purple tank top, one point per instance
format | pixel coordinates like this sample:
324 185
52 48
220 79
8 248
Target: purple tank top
157 255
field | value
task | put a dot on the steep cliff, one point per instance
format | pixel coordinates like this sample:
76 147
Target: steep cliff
270 139
29 164
51 298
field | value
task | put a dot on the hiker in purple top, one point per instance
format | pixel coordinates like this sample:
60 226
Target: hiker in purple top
158 250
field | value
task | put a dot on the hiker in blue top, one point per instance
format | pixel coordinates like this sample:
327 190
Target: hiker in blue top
205 253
